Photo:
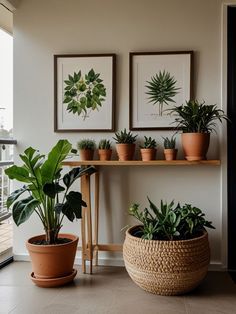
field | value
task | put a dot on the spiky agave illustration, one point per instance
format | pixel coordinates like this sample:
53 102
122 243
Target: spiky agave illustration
161 89
82 94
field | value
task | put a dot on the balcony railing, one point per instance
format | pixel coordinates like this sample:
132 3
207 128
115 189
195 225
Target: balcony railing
6 160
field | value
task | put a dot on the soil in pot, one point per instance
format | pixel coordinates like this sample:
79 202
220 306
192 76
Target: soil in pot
52 261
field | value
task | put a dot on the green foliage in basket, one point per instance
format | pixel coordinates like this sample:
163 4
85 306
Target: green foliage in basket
162 89
84 94
149 142
124 137
104 144
86 144
169 143
197 117
169 222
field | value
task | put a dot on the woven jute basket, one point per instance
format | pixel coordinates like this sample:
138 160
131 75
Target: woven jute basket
166 267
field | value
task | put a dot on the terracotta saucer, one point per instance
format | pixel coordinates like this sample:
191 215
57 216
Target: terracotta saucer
54 282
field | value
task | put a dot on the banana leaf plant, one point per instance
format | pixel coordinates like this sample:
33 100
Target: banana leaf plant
49 194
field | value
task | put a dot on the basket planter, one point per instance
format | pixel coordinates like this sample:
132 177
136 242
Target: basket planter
166 267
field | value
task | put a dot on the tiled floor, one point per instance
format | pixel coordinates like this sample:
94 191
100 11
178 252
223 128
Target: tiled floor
5 240
109 291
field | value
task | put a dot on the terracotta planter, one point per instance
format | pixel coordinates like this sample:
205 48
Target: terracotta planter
166 267
125 151
52 261
105 154
86 154
148 154
170 153
195 145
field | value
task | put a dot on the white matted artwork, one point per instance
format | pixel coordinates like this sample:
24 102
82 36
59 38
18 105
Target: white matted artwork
158 82
84 92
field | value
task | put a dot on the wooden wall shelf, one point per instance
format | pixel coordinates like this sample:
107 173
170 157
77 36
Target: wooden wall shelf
71 163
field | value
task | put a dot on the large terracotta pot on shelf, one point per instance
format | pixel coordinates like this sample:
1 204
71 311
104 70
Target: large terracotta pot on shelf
166 267
195 145
105 154
52 264
125 151
148 154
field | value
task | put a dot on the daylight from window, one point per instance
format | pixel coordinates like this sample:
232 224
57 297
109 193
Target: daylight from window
6 84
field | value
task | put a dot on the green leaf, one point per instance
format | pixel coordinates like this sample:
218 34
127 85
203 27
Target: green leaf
52 189
54 161
23 209
14 195
18 173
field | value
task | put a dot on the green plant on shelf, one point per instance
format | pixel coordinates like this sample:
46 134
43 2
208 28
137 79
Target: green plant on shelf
104 144
86 144
124 137
149 142
169 143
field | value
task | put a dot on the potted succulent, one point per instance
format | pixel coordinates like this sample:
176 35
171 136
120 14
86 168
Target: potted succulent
86 148
50 197
170 151
197 121
104 149
125 145
148 149
169 253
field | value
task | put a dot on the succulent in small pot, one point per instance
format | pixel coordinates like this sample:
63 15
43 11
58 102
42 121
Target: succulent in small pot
197 121
125 144
104 149
86 148
169 252
50 197
170 151
148 149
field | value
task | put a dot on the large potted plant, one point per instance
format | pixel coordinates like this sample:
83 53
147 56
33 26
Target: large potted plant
125 144
49 195
148 149
169 253
197 121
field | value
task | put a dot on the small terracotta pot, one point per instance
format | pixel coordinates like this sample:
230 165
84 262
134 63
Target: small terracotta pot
148 154
125 151
195 145
52 261
105 154
86 154
170 153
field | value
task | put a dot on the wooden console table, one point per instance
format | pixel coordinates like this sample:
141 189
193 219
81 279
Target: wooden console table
89 229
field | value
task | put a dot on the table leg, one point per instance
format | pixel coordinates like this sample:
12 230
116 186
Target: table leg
89 224
96 215
83 223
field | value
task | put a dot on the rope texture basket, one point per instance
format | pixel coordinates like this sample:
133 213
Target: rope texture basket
166 267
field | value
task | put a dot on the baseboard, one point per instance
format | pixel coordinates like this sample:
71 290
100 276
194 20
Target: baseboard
104 261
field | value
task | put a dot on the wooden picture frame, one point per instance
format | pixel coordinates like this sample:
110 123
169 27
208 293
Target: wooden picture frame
84 92
148 68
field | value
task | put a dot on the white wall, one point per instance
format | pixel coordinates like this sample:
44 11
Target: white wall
47 27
